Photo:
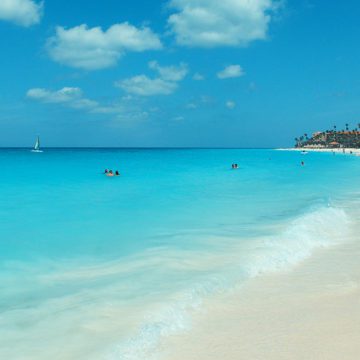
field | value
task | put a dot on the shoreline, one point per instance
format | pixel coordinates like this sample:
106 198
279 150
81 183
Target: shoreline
311 311
345 151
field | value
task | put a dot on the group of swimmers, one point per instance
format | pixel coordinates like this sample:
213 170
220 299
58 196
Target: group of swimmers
110 173
236 166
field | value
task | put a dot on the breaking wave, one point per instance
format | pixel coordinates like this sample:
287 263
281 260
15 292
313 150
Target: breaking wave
320 228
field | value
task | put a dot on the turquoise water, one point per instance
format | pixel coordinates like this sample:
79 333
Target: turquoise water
102 268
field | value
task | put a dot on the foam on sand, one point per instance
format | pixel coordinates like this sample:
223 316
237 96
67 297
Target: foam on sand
74 302
320 228
312 312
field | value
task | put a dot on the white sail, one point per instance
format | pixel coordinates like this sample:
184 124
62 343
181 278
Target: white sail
37 144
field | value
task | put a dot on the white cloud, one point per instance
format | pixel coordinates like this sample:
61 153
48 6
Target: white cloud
199 102
72 97
145 86
93 48
210 23
231 71
21 12
230 104
191 106
198 77
170 73
67 96
165 84
86 104
64 95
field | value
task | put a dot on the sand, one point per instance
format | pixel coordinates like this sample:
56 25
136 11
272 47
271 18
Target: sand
348 151
311 312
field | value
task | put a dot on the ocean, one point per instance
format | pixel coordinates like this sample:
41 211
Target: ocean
94 267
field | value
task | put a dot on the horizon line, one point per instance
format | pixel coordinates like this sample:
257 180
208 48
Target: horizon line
139 147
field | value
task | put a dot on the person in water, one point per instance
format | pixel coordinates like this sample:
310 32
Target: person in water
235 166
110 173
117 173
106 171
302 163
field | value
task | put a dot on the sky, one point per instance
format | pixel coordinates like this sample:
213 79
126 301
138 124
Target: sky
176 73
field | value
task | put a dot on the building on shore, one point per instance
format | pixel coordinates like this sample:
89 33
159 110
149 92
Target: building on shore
330 139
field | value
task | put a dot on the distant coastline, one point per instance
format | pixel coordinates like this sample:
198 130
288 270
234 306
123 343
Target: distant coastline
346 151
331 139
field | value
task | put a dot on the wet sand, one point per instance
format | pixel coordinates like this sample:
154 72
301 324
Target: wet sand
309 312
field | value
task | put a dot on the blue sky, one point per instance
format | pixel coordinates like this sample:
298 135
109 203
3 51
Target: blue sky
235 73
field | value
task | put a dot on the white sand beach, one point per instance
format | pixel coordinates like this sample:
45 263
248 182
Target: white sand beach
348 151
311 312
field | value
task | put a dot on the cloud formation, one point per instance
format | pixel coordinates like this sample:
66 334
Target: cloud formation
72 97
231 71
165 84
191 106
211 23
144 86
170 73
198 77
230 104
21 12
93 49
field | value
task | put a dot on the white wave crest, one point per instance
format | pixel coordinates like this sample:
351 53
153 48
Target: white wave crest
320 228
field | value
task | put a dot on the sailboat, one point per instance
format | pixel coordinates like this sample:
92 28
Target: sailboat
37 145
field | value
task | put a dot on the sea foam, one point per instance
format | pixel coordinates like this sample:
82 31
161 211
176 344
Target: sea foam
107 268
318 228
323 227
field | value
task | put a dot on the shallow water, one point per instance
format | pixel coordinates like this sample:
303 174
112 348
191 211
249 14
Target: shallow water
97 267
